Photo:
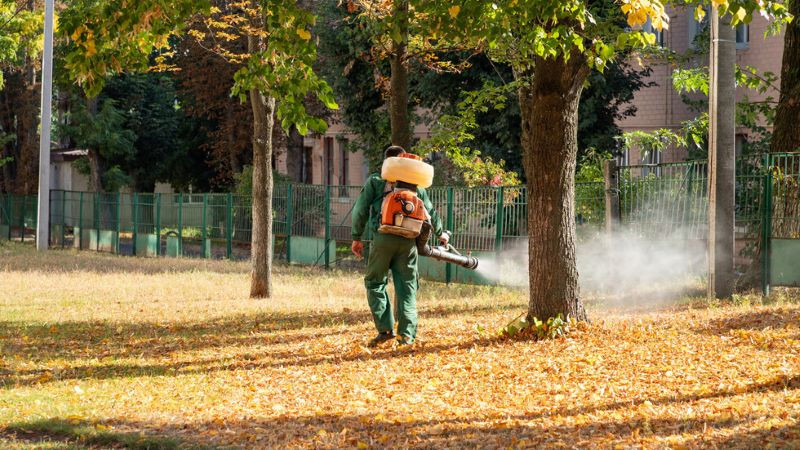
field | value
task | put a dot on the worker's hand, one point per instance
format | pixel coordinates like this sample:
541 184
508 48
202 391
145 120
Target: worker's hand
358 249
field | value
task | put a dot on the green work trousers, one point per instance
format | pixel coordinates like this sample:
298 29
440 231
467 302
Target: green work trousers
400 255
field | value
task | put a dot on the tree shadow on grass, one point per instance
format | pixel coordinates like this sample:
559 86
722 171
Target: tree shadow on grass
101 340
755 320
334 431
82 434
331 430
774 437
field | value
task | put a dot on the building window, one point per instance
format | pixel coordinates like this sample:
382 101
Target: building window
345 175
307 166
740 144
624 157
648 28
328 161
653 157
695 28
742 36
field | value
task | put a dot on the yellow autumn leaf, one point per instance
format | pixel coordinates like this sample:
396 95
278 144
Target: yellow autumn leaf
304 34
91 50
454 10
719 3
699 13
77 33
637 18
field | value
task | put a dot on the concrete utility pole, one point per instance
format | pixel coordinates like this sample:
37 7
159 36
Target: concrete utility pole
43 218
721 156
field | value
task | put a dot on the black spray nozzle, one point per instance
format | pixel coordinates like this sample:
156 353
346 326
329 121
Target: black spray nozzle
443 253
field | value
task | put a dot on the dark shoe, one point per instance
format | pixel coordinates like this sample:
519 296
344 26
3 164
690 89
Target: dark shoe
380 339
405 342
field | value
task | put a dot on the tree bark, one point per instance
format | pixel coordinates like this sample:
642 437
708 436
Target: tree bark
95 166
722 155
398 84
261 243
786 133
549 106
294 155
95 169
27 132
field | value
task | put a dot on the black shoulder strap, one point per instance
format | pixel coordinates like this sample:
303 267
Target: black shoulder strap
387 188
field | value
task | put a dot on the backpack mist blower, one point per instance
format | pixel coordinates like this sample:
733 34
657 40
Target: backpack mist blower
403 212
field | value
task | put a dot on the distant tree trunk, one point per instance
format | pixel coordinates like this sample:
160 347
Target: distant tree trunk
549 105
261 241
233 160
786 132
95 166
294 155
398 84
7 151
27 132
28 125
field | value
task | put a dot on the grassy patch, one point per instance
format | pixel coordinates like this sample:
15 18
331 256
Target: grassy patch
105 351
75 433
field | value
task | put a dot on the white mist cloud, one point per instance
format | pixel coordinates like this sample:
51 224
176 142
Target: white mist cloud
621 268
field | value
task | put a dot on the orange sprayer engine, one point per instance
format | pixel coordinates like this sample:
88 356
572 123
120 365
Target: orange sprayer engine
402 211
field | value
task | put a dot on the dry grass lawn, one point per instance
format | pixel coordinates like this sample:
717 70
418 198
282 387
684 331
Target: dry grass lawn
102 351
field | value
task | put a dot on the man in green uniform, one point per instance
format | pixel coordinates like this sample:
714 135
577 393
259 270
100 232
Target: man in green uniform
389 252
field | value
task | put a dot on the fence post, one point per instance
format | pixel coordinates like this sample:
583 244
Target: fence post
135 220
119 220
499 219
229 227
448 270
766 227
327 225
63 218
289 214
158 224
80 221
180 224
204 232
611 184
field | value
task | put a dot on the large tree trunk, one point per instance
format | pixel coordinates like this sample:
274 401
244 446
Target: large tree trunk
786 133
261 240
721 162
261 248
549 105
398 84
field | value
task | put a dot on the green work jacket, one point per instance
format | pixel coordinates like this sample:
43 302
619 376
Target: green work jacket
368 207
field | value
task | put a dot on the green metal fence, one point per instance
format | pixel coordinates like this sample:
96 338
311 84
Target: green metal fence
664 201
218 225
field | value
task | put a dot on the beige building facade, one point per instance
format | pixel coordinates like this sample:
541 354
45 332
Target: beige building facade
327 161
661 106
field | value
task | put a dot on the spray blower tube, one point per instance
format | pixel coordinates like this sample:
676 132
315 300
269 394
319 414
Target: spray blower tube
442 253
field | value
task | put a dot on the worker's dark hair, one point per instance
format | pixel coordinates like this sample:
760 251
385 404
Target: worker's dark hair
393 150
